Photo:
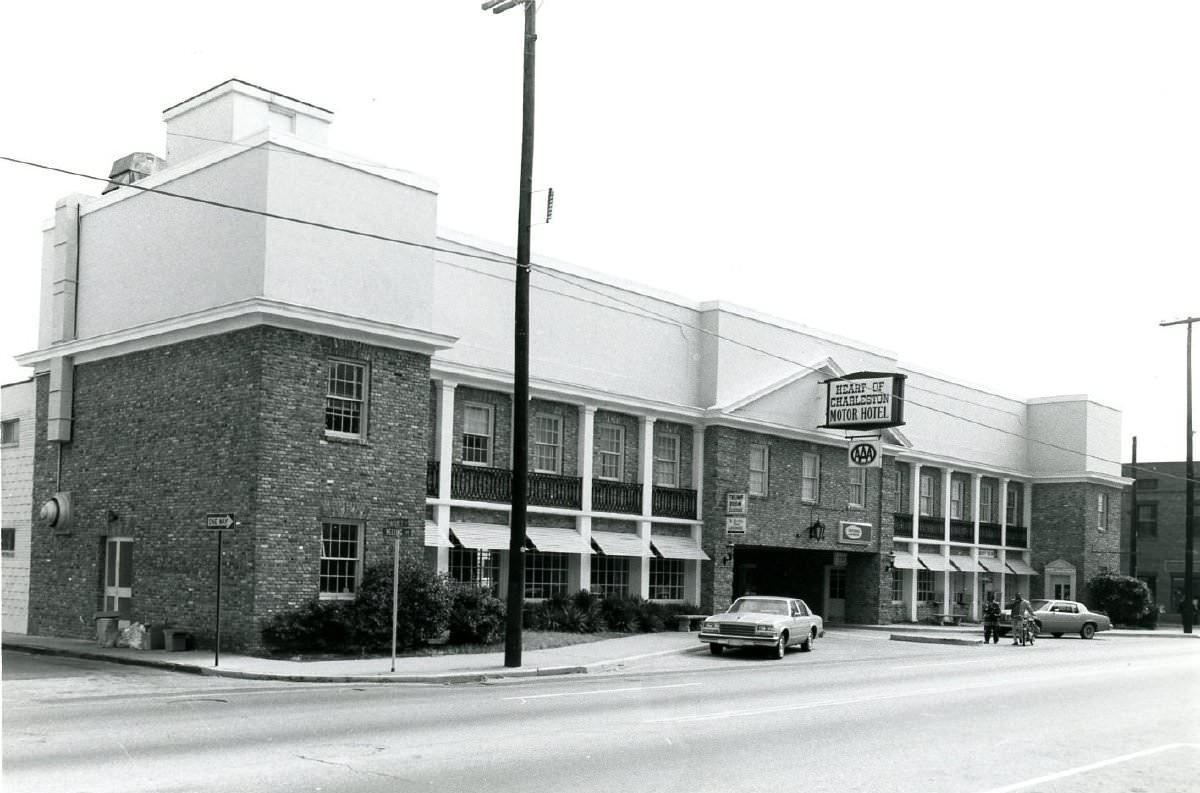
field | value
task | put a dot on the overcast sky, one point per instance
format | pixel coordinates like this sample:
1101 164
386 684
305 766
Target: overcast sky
1007 193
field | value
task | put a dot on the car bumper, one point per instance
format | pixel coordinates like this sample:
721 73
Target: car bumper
765 640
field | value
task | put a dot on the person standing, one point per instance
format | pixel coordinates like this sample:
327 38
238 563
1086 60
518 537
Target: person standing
991 619
1020 610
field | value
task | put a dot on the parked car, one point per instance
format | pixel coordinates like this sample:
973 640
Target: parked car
761 621
1057 617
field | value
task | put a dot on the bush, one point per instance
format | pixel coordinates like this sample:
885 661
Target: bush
476 616
318 626
584 612
1125 599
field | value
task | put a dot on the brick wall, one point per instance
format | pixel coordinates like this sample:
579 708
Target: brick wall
230 423
1066 526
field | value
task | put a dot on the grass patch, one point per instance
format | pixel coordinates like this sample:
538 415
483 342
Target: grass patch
530 640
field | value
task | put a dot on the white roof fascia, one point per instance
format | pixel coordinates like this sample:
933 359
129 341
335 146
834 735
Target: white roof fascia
1090 477
806 370
787 324
236 86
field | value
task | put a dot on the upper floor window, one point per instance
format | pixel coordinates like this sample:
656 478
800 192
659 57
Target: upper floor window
810 477
477 434
759 465
610 451
1013 510
8 541
341 550
858 487
10 432
987 502
1102 511
346 399
926 495
903 488
958 499
1147 520
547 444
666 460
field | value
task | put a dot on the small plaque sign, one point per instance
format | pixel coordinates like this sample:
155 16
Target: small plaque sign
854 533
735 524
735 503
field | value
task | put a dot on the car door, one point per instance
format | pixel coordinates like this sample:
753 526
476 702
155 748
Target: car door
804 621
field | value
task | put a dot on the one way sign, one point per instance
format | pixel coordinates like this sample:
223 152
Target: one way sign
220 520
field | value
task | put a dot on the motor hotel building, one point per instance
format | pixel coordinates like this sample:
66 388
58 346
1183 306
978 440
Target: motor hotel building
326 386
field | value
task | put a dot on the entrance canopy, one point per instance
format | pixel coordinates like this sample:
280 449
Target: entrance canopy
480 536
906 561
1019 567
935 561
966 564
553 540
612 543
677 548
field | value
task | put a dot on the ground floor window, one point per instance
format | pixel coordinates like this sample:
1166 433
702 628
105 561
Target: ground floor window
476 566
924 585
897 584
340 551
666 579
118 575
610 575
545 574
837 583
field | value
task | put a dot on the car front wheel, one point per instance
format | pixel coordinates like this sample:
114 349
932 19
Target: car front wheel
1088 630
716 649
781 645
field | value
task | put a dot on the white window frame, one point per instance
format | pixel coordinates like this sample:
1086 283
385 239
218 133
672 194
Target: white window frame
9 532
858 485
926 495
609 576
364 387
538 445
549 571
116 596
987 502
475 566
354 561
958 498
1013 507
1102 511
810 477
760 470
491 433
669 575
604 455
926 586
897 585
672 440
10 432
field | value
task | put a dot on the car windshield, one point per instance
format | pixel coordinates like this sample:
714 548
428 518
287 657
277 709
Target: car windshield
1039 605
760 606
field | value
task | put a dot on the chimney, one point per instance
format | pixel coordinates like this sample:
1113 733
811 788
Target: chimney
132 168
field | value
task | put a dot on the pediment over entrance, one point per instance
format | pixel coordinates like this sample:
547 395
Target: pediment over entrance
797 401
1061 566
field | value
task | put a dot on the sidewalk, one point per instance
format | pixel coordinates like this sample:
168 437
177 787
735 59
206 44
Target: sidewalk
976 631
588 657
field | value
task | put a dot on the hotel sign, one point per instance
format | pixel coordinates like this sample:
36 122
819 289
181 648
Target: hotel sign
865 401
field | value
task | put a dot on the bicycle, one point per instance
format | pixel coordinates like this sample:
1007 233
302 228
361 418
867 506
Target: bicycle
1028 632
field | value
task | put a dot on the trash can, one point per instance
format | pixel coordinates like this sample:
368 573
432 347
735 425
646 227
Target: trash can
177 640
107 628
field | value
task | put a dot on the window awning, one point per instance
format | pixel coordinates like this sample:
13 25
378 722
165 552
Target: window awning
935 561
481 536
906 561
966 564
1020 567
554 540
677 548
613 543
432 538
991 564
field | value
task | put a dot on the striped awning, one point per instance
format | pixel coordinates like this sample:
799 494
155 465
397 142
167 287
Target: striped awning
677 548
991 564
906 561
613 543
554 540
481 536
1020 567
966 564
432 538
935 561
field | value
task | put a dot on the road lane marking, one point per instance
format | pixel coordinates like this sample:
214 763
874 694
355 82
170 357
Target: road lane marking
1091 767
947 663
600 691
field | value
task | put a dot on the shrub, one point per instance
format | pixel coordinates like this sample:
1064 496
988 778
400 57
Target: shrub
476 616
1125 599
318 626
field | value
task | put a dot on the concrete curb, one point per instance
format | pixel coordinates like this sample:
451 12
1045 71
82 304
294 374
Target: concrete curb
934 630
608 666
900 637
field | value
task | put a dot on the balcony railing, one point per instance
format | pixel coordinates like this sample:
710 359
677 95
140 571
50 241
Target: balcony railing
432 467
989 533
962 530
1018 537
903 524
554 490
480 483
931 528
623 497
673 502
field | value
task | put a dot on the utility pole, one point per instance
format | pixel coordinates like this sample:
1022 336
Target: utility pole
520 462
1189 489
1133 524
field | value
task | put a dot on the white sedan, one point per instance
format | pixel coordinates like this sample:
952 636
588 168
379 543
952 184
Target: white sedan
759 621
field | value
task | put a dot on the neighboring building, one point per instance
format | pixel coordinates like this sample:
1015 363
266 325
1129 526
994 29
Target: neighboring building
324 385
1161 512
16 500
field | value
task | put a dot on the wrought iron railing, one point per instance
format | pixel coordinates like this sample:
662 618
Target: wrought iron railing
624 497
962 530
432 467
673 502
903 524
554 490
989 533
1018 537
480 483
931 528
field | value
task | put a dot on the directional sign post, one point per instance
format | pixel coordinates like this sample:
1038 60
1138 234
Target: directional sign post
220 522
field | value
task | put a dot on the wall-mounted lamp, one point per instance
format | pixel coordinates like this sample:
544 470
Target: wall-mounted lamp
816 531
725 559
110 516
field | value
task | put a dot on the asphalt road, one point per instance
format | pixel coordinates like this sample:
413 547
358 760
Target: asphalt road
858 713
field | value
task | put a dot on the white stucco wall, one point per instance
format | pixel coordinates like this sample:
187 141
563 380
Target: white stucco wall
1103 439
1058 431
16 503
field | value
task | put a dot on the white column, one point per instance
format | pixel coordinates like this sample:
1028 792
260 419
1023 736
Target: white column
1000 585
976 487
445 456
916 522
1027 511
646 471
587 422
947 478
698 469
